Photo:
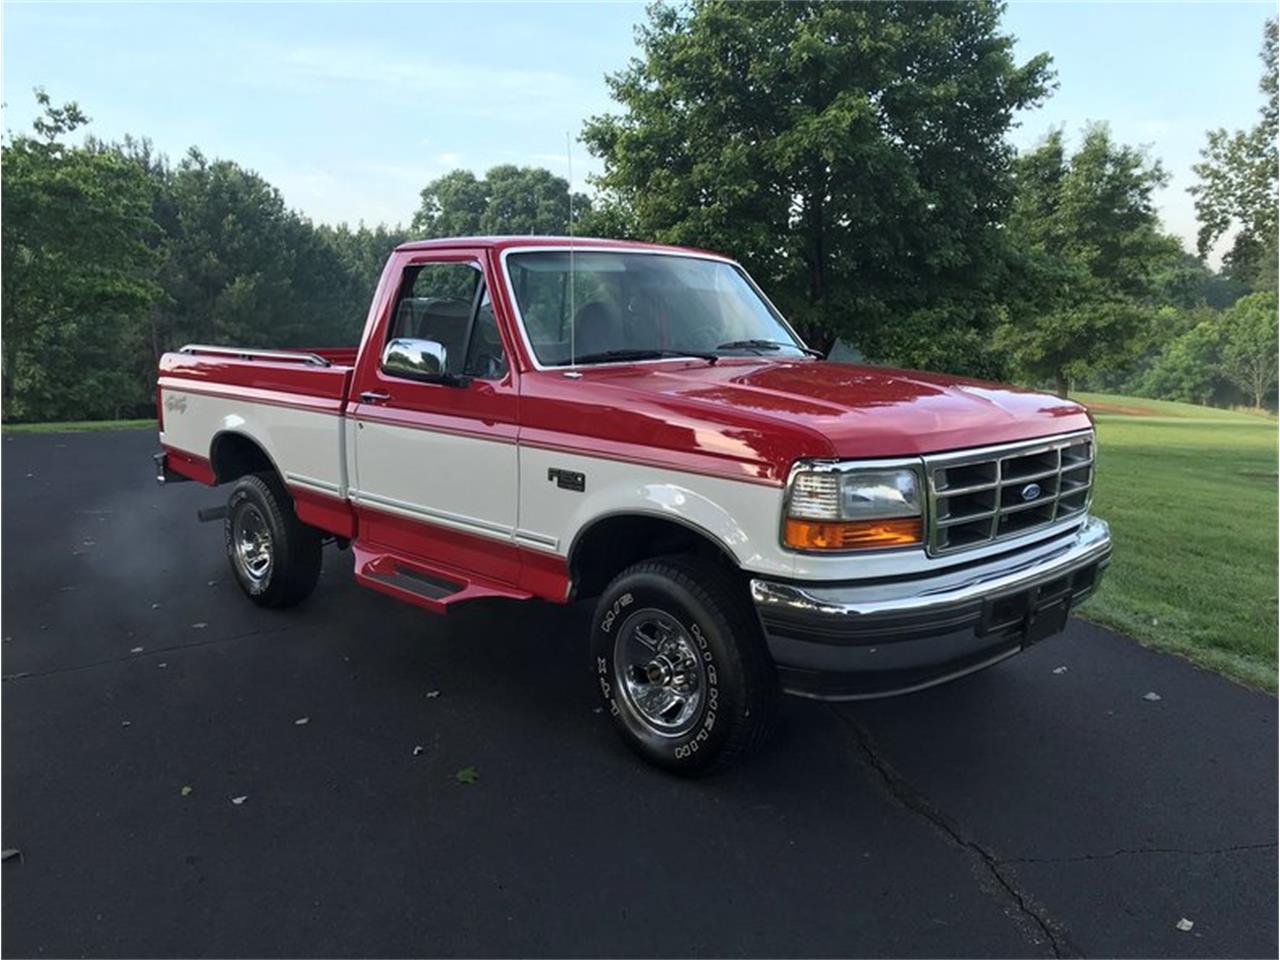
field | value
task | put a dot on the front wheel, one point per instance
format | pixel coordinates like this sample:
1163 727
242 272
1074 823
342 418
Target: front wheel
275 557
682 665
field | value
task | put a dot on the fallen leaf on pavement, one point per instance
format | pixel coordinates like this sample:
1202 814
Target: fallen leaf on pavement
1059 669
199 626
432 694
10 854
136 650
238 800
417 751
467 775
1184 924
186 791
301 721
1152 696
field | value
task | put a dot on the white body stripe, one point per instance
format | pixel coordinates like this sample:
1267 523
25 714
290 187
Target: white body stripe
306 445
742 517
462 482
500 489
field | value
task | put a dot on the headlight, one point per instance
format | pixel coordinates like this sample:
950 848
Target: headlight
854 509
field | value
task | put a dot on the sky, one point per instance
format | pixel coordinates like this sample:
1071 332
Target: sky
351 108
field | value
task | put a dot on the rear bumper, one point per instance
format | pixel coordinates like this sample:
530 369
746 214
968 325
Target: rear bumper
875 639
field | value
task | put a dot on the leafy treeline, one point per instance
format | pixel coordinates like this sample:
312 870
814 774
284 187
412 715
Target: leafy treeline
112 256
854 156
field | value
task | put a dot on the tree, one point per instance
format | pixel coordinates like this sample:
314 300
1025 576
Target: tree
509 200
1249 354
853 156
1185 282
1238 185
1187 367
242 268
363 253
1091 249
77 284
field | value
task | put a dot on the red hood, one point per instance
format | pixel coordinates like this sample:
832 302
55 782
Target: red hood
783 409
868 411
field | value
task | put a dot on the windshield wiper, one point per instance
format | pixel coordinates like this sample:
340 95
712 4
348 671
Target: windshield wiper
768 345
622 356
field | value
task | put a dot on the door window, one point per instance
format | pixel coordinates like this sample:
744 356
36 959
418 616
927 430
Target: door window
485 357
447 303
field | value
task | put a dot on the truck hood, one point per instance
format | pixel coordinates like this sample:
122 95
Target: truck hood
857 411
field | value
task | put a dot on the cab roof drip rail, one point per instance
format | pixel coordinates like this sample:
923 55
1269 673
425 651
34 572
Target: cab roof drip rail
245 353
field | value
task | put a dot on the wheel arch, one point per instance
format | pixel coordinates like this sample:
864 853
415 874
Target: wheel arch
233 453
610 543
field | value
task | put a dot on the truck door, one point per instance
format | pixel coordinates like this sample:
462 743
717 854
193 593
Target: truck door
433 429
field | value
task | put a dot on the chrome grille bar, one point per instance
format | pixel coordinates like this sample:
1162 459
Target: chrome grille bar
977 497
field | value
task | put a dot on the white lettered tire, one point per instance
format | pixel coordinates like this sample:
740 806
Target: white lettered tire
682 666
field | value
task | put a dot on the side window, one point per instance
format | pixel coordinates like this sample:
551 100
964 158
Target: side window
435 304
485 358
447 303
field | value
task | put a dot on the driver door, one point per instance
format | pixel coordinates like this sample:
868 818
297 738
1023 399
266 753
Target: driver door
435 455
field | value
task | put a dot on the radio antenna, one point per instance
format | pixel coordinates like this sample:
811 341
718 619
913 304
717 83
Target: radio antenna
573 318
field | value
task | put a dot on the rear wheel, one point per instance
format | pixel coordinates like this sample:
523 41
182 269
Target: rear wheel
682 665
275 557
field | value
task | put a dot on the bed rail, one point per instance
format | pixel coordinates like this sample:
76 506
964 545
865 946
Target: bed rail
251 353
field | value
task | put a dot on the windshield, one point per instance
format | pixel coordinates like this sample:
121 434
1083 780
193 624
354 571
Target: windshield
627 306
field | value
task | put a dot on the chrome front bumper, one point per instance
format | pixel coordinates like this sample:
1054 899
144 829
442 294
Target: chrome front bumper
857 640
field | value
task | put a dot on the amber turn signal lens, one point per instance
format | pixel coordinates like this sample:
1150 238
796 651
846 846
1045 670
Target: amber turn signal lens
853 534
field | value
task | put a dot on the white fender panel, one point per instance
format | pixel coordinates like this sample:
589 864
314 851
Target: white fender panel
305 445
742 517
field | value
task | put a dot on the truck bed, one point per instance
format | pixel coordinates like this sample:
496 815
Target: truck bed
289 403
319 374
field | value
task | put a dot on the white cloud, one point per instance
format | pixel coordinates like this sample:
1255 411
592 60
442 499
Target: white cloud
475 89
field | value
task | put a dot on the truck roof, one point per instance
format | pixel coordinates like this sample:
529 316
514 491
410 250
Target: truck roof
526 240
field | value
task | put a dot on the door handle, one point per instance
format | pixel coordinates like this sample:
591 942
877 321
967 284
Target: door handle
374 396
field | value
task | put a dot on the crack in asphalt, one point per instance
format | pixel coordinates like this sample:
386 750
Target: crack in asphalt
910 799
154 651
1141 851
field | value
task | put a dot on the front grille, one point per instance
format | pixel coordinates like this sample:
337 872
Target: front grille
978 497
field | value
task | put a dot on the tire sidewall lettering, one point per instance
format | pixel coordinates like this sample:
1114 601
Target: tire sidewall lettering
699 738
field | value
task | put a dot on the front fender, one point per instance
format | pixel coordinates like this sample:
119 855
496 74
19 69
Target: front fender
742 518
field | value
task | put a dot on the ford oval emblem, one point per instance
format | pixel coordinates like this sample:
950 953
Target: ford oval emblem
1030 492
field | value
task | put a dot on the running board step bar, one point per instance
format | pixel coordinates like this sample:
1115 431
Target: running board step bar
432 588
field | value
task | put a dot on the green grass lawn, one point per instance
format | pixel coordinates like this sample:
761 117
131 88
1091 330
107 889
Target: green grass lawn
79 426
1190 493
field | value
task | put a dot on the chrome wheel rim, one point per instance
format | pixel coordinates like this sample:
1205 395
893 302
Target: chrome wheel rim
659 672
253 548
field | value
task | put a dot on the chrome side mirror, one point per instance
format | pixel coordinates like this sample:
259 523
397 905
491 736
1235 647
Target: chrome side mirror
415 359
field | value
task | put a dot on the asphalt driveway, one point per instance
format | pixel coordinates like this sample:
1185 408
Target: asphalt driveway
1027 811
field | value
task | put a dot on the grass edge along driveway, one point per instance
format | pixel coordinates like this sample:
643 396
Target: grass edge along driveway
79 426
1190 493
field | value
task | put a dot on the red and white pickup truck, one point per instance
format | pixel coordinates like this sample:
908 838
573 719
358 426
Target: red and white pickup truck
532 417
